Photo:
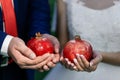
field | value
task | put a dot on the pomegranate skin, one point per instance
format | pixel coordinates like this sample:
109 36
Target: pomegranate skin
40 45
77 46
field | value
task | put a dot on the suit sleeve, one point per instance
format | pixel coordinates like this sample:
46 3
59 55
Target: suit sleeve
2 37
39 17
4 43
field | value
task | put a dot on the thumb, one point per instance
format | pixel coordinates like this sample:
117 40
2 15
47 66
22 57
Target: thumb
27 52
56 47
54 40
95 61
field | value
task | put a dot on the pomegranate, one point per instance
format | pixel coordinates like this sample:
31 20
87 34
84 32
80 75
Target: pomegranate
40 45
77 46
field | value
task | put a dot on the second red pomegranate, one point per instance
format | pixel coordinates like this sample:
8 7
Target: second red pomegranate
77 46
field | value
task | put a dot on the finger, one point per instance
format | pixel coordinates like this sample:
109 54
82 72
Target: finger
71 66
67 63
41 70
77 65
81 63
20 59
95 61
56 47
61 58
62 61
56 58
36 65
93 68
27 51
28 62
51 64
75 68
54 41
86 63
46 68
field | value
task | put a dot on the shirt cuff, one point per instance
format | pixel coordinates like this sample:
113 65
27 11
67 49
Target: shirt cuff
4 48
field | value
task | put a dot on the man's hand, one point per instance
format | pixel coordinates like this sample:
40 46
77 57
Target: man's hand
25 57
55 55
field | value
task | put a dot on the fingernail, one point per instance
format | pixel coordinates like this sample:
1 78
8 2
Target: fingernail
66 59
81 55
75 67
47 69
52 55
57 50
72 64
32 56
77 55
68 63
91 63
75 60
47 54
61 58
41 71
55 60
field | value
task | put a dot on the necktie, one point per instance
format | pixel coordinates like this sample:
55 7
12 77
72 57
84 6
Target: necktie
9 19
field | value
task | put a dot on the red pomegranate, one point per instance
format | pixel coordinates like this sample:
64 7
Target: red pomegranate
77 46
40 45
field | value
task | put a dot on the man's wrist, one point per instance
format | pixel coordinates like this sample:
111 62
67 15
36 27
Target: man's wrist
4 48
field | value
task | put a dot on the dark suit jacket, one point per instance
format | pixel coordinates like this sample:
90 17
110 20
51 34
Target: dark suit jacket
32 16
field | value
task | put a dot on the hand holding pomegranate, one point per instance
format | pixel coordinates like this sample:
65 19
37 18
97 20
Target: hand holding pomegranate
25 57
78 54
77 46
40 45
45 43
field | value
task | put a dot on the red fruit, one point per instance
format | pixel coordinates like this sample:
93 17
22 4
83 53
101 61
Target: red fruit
40 45
77 46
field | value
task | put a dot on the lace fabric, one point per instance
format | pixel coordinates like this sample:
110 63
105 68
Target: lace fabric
102 29
99 27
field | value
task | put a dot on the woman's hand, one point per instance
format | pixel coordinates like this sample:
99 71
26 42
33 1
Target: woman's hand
81 64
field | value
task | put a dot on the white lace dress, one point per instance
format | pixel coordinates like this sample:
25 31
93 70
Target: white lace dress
102 29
